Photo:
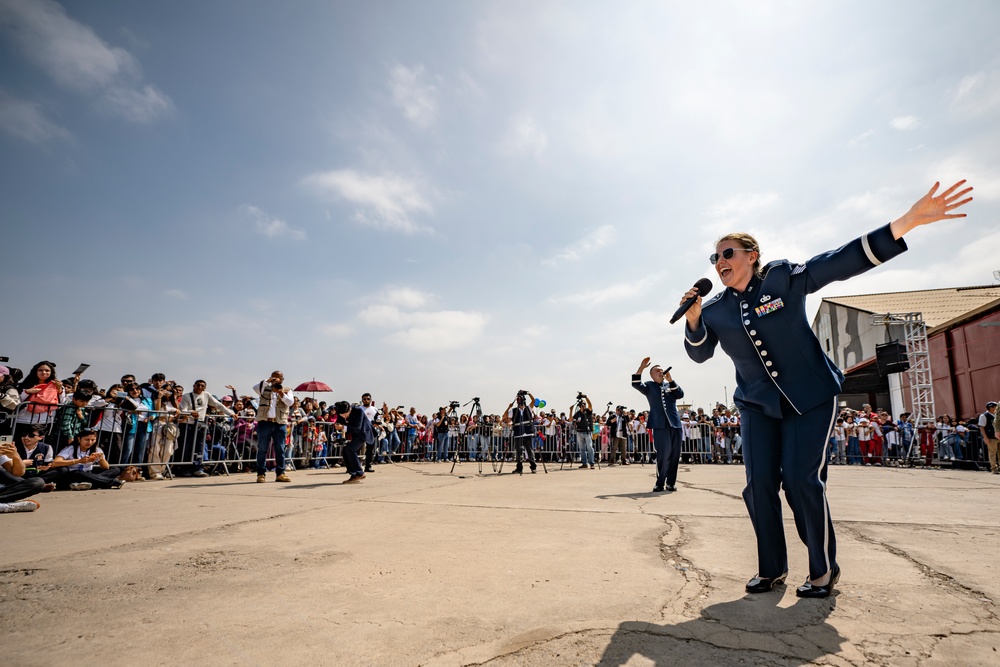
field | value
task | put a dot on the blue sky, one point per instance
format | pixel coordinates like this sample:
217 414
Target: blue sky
440 200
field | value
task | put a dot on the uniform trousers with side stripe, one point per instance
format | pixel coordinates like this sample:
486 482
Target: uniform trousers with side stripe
789 453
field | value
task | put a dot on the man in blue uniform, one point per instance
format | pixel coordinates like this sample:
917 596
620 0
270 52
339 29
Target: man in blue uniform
662 393
353 424
786 385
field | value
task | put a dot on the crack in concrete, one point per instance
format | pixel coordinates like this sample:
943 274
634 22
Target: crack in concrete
979 597
160 540
688 485
670 546
526 647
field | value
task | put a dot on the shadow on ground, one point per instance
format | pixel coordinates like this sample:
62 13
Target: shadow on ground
753 630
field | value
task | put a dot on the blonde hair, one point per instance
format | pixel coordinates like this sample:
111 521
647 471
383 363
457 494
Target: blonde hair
746 242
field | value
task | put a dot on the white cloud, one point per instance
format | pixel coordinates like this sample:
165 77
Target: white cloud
741 205
396 313
336 330
77 59
440 330
588 245
978 93
270 226
904 123
594 298
882 205
983 175
416 99
383 315
524 138
386 202
861 139
139 105
25 120
177 294
406 297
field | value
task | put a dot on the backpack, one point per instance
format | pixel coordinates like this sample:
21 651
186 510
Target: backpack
45 400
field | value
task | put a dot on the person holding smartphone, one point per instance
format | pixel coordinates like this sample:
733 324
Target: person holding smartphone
14 488
77 462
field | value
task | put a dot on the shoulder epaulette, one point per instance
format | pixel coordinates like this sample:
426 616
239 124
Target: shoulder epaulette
714 299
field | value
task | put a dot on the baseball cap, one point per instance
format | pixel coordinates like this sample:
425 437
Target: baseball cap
4 370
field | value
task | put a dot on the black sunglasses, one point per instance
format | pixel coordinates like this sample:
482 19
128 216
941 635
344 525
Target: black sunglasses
727 254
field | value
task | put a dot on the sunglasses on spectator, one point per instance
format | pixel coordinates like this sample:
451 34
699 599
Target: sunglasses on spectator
727 254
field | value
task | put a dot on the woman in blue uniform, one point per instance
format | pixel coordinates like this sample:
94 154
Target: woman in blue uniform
786 386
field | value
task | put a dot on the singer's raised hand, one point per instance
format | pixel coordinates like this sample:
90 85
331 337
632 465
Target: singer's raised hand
643 365
930 209
693 313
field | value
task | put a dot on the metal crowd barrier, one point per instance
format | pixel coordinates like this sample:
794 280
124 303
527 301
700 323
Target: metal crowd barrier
167 443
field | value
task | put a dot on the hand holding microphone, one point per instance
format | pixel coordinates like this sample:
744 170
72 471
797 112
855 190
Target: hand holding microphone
691 302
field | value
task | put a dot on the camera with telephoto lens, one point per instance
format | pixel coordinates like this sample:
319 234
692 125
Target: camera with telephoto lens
522 393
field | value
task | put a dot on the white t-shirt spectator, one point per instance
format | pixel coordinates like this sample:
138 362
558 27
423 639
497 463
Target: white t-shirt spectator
69 453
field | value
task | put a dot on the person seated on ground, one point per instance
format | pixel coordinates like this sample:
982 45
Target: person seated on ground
76 465
36 455
13 487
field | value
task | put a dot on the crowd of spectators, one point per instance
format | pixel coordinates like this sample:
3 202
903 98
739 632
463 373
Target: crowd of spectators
72 434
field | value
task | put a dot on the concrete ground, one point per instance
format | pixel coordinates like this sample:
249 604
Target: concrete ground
416 566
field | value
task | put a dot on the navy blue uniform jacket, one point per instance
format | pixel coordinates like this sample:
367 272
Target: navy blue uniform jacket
658 417
765 332
359 427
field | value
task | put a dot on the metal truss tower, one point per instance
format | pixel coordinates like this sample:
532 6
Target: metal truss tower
919 374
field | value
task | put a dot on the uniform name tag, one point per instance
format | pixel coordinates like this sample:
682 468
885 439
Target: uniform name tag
769 307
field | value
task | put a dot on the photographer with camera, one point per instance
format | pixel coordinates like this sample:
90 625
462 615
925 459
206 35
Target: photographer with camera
582 416
618 432
440 424
662 394
272 417
353 425
522 421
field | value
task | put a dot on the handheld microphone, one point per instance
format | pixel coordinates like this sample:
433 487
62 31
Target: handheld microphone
704 286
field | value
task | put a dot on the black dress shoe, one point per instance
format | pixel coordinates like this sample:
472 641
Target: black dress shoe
671 488
657 489
761 584
517 471
808 590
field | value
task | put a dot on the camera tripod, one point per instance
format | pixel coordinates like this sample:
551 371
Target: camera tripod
476 410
